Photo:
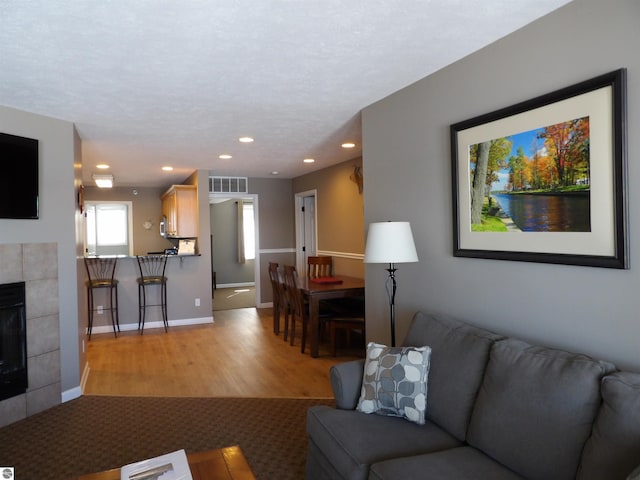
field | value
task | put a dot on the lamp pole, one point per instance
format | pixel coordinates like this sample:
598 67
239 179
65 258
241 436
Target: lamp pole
392 302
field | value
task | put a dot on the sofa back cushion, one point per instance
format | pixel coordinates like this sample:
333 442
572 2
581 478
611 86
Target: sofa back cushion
535 408
459 354
613 450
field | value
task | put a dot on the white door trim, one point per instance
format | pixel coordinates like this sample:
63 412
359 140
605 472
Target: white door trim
299 221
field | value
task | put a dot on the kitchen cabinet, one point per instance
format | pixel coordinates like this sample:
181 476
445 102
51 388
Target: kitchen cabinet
180 207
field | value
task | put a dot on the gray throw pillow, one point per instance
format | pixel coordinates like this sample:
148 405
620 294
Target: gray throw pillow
395 382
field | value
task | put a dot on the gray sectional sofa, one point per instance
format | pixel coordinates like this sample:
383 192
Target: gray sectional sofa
497 409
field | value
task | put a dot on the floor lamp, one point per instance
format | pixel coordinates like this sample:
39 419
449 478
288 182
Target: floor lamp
390 242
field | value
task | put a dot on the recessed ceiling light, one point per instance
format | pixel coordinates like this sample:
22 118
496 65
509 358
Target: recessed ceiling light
275 172
348 145
167 168
308 160
102 166
245 139
225 156
103 181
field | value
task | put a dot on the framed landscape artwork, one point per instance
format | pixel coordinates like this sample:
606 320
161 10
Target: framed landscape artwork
545 180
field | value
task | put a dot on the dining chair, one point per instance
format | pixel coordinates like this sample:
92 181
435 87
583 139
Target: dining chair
152 272
101 274
298 309
319 266
347 325
280 304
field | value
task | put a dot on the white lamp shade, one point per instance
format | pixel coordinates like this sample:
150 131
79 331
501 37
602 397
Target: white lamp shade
390 242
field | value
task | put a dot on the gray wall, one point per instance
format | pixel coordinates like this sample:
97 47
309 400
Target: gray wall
146 206
277 231
57 223
224 229
339 211
408 177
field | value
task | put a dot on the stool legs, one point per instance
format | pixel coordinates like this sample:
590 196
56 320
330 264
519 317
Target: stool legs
165 316
115 318
142 305
90 309
113 308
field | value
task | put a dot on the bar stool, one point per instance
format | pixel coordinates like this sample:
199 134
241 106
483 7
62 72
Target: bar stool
152 268
100 274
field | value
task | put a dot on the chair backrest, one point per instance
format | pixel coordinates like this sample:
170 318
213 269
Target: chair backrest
100 268
152 266
294 295
276 282
321 266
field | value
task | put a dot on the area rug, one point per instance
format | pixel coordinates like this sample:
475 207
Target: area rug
95 433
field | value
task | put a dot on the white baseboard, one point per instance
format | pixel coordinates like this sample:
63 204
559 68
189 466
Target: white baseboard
236 285
85 376
158 324
71 394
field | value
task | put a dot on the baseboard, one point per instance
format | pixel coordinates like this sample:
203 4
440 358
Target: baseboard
158 324
71 394
85 376
236 285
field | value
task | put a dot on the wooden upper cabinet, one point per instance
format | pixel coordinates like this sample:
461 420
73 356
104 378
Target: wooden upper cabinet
180 207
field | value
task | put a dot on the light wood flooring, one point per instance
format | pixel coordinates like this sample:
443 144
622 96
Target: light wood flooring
236 356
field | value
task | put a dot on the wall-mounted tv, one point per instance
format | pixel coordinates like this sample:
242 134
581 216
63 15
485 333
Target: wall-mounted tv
18 177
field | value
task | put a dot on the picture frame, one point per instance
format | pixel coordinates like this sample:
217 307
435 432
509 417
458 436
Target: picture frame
545 180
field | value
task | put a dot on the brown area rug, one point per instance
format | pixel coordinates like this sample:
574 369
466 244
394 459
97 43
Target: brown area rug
95 433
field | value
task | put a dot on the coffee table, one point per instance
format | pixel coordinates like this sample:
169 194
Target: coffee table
221 464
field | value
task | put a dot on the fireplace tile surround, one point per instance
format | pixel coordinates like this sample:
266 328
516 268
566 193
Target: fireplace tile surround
36 264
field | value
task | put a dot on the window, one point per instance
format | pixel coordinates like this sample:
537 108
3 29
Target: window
248 229
108 229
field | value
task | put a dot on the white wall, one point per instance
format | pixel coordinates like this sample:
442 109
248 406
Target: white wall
407 170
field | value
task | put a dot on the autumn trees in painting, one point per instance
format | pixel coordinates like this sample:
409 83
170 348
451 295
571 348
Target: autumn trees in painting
556 160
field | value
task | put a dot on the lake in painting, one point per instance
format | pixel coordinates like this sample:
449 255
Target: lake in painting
547 212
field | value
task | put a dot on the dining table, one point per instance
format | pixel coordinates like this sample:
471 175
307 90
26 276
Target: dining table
315 290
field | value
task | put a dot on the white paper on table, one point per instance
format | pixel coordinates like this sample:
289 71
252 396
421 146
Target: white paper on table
172 466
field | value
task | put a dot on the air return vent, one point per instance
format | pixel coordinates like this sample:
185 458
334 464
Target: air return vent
228 185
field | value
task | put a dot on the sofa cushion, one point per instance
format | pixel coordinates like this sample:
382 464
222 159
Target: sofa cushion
346 383
635 475
613 450
351 441
395 382
459 354
535 408
464 463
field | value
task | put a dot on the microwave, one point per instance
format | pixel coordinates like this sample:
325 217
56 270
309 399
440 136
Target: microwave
163 227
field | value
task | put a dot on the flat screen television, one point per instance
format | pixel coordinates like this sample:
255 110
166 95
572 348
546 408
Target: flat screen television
18 177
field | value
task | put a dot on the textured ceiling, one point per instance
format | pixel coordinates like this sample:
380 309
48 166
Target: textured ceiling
164 82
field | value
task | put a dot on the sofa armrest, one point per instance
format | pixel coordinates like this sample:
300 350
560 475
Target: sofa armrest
346 382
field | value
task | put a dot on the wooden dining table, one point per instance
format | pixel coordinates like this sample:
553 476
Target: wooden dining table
314 292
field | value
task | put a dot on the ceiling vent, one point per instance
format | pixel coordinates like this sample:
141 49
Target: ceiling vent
228 185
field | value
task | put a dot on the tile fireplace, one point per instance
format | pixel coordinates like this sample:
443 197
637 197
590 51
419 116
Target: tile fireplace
35 267
13 340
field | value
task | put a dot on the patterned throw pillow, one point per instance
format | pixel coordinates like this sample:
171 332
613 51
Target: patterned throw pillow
395 382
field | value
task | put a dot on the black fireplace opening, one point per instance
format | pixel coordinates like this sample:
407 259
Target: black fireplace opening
13 340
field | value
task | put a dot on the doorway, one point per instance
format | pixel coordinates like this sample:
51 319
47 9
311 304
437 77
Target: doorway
233 267
306 231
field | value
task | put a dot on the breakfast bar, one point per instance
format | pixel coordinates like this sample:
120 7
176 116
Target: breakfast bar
184 305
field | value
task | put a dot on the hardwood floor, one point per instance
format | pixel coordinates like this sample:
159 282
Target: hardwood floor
237 356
